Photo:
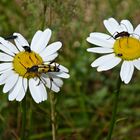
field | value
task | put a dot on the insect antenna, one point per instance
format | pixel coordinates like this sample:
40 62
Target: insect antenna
112 36
124 26
130 33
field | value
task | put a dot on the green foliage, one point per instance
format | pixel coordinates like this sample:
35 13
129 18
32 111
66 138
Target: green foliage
83 107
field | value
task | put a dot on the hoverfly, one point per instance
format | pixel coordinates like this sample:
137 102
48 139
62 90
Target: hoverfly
44 68
46 71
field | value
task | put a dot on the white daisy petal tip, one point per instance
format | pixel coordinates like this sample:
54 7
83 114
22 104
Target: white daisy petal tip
48 30
93 65
40 40
15 34
89 49
88 39
127 26
10 99
20 40
68 76
110 19
99 69
1 39
65 75
57 90
126 82
137 31
59 44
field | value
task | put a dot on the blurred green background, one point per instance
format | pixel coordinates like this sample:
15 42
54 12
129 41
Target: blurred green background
84 104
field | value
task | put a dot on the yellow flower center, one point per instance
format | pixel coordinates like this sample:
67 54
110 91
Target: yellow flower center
25 60
128 48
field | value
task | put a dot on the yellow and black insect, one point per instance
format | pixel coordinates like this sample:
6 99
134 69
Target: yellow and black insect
44 68
38 70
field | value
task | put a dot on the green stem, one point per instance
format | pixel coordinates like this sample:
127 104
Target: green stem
23 111
53 114
114 111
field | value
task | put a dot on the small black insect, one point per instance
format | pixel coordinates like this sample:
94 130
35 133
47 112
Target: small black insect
122 34
119 54
11 37
26 48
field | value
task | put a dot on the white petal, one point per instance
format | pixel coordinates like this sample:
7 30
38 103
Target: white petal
58 82
5 57
37 90
101 39
62 68
111 25
127 25
137 63
6 50
125 69
22 91
44 92
36 38
10 82
5 66
137 31
51 49
43 41
109 64
60 74
15 91
101 60
9 45
50 57
20 41
51 85
131 71
100 50
4 76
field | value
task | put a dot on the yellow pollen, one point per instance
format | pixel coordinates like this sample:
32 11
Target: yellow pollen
128 48
24 60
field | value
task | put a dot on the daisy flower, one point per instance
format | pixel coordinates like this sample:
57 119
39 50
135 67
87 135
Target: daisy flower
122 45
32 65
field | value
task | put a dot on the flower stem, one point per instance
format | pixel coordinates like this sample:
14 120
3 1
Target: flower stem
114 111
53 115
23 111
